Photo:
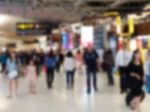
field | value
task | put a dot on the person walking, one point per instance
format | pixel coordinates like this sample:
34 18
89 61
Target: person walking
79 62
123 57
12 74
90 57
109 61
69 66
32 76
50 64
60 60
135 82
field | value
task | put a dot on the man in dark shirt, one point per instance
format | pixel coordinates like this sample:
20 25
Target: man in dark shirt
91 61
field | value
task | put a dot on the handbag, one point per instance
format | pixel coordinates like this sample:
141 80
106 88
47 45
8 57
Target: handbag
13 74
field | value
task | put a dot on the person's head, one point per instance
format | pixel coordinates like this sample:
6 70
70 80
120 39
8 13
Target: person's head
85 50
13 55
78 51
51 53
90 48
31 62
69 54
109 51
125 46
136 56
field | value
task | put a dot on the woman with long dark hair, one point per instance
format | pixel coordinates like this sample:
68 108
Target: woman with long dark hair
135 82
12 74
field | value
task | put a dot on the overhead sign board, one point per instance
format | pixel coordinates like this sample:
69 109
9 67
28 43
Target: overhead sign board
33 28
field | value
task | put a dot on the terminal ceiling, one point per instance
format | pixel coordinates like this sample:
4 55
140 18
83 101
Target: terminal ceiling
57 11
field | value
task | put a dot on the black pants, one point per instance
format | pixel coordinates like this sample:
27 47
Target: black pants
50 77
38 69
58 65
70 78
110 76
123 79
3 67
91 74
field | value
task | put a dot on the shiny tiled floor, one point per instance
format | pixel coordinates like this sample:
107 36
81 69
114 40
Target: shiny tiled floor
60 99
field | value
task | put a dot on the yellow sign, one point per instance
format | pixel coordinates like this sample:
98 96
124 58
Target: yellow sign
130 27
119 24
25 26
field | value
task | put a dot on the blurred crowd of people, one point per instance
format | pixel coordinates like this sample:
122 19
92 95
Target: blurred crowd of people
131 68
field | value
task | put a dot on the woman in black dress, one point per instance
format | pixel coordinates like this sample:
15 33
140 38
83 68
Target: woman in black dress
135 82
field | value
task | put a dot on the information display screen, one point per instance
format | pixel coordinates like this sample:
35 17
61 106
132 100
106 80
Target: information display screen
33 28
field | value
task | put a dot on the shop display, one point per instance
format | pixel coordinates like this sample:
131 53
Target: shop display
98 38
70 40
65 40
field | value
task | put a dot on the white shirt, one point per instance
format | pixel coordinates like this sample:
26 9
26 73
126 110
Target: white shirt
100 54
69 64
123 58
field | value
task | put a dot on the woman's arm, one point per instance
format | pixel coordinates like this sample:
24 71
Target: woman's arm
135 75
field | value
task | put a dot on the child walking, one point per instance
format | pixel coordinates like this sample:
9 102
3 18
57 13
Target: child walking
32 77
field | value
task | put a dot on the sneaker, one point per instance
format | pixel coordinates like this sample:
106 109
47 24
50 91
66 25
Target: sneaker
88 91
96 90
9 97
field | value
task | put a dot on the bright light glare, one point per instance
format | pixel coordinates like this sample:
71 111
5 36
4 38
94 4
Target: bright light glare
42 43
133 44
42 39
3 49
3 19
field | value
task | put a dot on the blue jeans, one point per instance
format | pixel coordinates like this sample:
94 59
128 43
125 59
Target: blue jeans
70 78
91 74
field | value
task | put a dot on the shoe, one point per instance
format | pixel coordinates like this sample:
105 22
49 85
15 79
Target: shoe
50 87
68 86
88 91
34 92
9 97
72 86
96 89
122 91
